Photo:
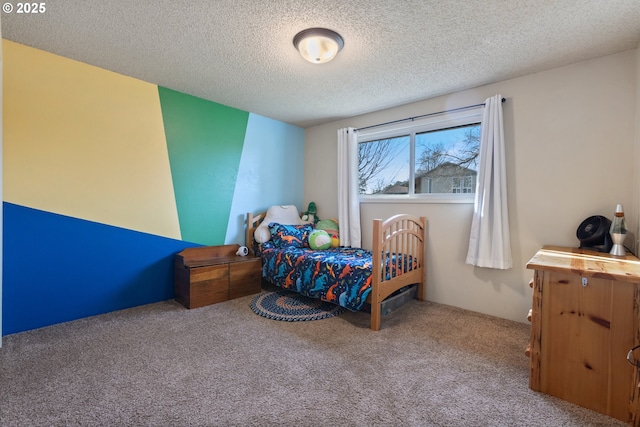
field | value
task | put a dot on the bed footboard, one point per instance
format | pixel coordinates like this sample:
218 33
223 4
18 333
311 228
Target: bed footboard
398 259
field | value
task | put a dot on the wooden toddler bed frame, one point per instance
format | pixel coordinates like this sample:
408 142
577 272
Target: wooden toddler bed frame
402 234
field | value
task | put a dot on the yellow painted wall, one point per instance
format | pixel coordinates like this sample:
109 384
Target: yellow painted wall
85 142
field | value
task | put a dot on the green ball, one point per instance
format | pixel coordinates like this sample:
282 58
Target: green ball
319 240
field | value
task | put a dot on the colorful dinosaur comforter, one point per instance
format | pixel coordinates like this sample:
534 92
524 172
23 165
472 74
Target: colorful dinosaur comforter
338 275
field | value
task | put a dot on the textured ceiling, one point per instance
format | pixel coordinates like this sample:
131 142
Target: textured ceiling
240 52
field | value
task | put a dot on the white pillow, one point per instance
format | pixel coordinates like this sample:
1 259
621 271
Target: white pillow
262 234
286 215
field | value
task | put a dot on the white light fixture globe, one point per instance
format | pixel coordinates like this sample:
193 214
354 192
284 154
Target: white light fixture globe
318 45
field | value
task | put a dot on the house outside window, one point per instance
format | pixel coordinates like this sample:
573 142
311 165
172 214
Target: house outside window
447 178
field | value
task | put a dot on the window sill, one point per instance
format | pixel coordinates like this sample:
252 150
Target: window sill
426 199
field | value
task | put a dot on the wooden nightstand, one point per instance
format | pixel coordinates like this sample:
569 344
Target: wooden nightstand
212 274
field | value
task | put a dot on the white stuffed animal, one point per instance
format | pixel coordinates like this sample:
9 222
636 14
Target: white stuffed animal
287 215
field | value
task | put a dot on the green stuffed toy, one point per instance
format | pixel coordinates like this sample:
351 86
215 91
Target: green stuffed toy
311 214
319 240
331 227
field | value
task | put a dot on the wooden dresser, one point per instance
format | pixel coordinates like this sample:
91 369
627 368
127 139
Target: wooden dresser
212 274
585 319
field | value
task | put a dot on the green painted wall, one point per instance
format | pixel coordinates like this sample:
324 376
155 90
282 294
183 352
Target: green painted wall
204 141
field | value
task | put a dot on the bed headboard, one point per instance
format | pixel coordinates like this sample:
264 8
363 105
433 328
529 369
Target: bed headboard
253 221
282 214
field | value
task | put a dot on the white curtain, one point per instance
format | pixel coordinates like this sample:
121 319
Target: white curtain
490 242
348 202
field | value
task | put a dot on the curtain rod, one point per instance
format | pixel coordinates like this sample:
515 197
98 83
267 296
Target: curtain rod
425 115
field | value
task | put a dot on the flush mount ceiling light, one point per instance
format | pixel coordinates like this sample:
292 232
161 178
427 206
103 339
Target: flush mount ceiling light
318 45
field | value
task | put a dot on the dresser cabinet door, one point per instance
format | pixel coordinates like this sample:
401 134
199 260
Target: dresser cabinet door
586 332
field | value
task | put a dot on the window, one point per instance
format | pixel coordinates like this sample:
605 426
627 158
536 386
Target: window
383 166
464 184
436 156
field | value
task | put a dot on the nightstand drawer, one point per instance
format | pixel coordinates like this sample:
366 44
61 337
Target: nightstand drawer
245 278
210 273
202 286
210 286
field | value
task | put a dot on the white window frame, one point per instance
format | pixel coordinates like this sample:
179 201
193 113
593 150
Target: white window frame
470 116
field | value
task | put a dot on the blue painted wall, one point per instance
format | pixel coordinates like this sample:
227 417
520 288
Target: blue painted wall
58 268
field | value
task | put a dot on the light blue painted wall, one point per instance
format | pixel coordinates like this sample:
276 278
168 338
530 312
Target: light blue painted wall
271 172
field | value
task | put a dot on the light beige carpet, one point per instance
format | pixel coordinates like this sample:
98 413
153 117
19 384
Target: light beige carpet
223 365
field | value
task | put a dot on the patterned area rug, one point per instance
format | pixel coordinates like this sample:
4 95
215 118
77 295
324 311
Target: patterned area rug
290 306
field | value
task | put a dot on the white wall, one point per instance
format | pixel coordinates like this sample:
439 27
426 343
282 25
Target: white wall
570 134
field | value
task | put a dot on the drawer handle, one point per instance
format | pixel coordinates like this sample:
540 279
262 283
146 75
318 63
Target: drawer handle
584 282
